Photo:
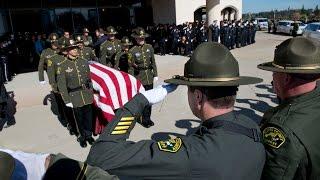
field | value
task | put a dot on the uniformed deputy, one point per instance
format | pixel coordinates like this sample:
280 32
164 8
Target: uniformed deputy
123 59
74 84
145 68
65 39
109 48
85 52
45 55
87 40
295 29
52 66
291 130
226 145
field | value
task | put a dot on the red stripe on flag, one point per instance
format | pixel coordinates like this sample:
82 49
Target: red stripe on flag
114 80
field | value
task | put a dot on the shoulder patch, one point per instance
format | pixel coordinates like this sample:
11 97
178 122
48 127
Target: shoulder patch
273 137
171 145
49 62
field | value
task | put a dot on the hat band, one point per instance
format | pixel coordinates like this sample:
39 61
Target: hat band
311 67
206 79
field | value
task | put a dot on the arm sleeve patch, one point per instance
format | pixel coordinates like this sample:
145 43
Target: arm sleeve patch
273 137
171 145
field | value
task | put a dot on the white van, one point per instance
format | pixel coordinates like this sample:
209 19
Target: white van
286 26
262 23
312 31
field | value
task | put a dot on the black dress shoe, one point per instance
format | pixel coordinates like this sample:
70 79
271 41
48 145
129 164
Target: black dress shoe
82 142
90 140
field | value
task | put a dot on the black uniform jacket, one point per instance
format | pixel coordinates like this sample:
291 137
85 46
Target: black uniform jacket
211 153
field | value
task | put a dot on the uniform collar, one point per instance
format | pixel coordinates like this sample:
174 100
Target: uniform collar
224 117
304 97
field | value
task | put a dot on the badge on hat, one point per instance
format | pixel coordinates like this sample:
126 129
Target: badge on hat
171 145
273 137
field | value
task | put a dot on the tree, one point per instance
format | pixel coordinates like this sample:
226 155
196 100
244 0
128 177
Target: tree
316 11
303 10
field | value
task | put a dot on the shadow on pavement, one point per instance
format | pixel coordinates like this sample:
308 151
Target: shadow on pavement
270 96
8 110
255 105
183 124
54 108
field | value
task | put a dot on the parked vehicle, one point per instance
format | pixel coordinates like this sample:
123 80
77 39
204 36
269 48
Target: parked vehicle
286 26
312 31
262 23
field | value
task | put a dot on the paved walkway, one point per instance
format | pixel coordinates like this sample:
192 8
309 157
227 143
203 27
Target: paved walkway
38 130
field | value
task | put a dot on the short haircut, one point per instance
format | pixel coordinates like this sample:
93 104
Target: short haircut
305 77
220 97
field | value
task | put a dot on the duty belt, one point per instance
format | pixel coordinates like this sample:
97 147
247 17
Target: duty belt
144 68
82 87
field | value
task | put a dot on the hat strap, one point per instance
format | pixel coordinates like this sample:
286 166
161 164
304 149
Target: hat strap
206 79
310 67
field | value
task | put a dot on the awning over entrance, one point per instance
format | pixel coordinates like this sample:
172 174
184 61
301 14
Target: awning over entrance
15 4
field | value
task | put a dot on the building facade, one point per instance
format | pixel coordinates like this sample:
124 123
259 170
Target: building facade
180 11
48 15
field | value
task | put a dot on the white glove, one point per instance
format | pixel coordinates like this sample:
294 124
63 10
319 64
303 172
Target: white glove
69 105
158 94
155 79
43 82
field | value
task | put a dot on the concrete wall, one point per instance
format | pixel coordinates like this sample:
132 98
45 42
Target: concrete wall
214 8
180 11
164 11
185 9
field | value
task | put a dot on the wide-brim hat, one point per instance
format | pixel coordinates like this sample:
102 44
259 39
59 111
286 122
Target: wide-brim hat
139 33
298 55
125 41
69 45
111 31
212 64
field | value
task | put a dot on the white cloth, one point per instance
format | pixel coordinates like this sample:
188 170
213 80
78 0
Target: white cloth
69 105
32 167
158 94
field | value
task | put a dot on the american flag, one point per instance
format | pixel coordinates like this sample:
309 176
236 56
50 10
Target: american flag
113 89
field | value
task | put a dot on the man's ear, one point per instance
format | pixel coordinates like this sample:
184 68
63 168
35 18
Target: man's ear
198 96
287 79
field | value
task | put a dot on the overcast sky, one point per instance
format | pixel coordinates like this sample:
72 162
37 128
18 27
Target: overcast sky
267 5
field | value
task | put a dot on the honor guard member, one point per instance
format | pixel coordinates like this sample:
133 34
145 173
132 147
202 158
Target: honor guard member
87 40
65 39
291 130
226 146
145 68
85 52
75 86
110 48
238 35
215 31
45 55
123 59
